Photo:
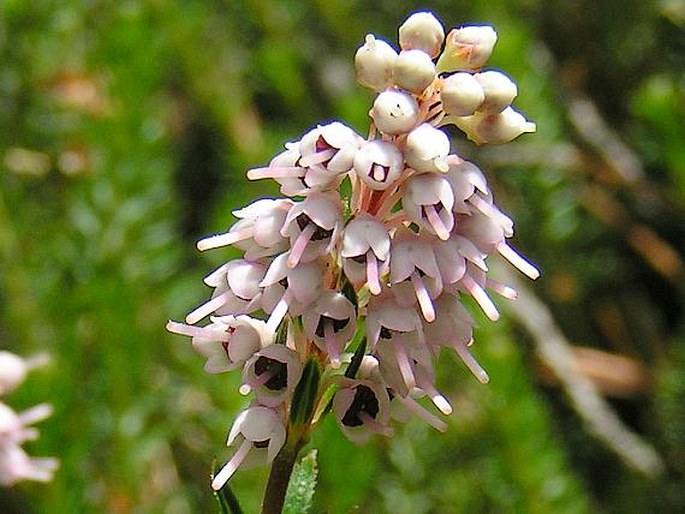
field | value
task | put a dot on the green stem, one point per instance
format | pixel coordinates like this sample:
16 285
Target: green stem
279 478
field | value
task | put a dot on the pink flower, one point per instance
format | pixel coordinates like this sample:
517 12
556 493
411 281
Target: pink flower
365 251
272 373
331 323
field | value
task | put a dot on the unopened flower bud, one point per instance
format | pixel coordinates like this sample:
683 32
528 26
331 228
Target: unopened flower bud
373 63
461 94
495 129
427 149
467 48
394 112
413 70
499 90
422 31
378 164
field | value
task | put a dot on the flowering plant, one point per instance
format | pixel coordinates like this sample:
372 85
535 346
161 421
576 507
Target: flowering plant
350 287
15 464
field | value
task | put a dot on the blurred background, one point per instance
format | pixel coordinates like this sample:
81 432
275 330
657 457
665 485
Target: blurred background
126 128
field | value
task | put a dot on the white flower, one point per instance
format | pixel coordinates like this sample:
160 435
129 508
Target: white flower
428 201
289 290
259 431
272 374
13 369
413 71
257 232
362 408
422 31
331 323
365 251
499 91
16 465
227 342
329 148
461 94
427 148
313 227
467 48
394 112
378 164
414 272
496 129
236 290
373 63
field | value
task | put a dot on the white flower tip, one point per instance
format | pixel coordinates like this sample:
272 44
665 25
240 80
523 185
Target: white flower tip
245 389
335 363
442 404
482 376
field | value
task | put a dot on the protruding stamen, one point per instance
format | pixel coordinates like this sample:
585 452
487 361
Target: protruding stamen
191 331
438 400
481 297
225 239
423 297
436 222
404 364
487 209
231 466
471 363
422 413
331 346
275 172
517 261
372 276
207 308
300 244
278 313
501 289
318 157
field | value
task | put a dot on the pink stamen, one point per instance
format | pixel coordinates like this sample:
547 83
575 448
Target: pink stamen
372 278
481 297
300 244
278 313
225 239
423 297
35 414
331 345
436 222
471 363
318 157
487 209
231 466
404 365
438 400
207 308
517 261
192 331
275 172
501 289
422 413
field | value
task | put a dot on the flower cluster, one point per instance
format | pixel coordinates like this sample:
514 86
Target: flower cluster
365 286
15 463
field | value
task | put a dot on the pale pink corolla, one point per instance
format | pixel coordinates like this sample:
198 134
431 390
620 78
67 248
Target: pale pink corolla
236 290
365 251
378 164
428 202
257 232
387 319
331 323
414 272
16 465
258 432
13 369
227 342
313 226
362 409
329 148
14 427
289 290
465 178
489 233
272 373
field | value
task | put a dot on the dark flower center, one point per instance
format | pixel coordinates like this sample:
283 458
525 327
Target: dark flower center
278 370
364 401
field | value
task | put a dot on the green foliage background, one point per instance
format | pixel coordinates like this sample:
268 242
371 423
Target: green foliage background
125 131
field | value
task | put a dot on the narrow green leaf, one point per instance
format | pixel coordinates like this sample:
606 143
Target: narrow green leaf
298 499
305 394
